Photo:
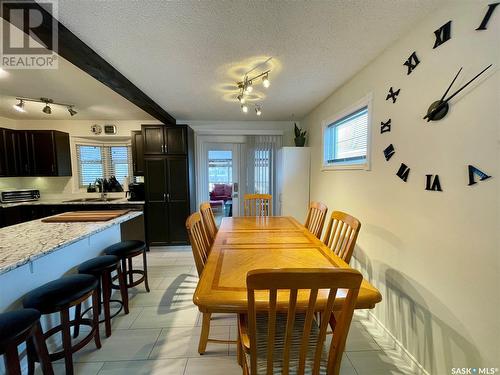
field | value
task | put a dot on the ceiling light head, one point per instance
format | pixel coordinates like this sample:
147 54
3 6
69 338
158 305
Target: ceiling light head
258 110
248 87
71 111
19 106
241 98
47 110
265 81
244 108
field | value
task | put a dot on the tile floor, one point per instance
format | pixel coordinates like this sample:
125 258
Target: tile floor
160 334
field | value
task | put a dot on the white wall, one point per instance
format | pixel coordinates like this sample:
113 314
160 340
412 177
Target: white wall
434 256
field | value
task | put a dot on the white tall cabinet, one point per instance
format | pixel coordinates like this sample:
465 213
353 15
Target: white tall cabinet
293 178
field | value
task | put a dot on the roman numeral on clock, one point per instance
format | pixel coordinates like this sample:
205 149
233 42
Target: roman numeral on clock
403 172
487 16
432 183
393 94
412 62
389 151
473 171
385 126
442 34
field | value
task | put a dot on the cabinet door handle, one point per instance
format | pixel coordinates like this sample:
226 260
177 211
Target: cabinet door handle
52 168
164 197
168 197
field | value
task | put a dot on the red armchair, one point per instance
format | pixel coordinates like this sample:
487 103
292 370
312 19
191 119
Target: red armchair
221 192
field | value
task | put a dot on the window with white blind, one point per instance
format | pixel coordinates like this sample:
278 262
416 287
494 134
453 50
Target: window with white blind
345 140
103 161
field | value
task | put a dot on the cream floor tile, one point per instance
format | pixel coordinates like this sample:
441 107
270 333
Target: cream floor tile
91 368
175 366
164 316
170 270
123 321
377 362
360 339
158 297
213 366
182 282
178 342
221 320
122 345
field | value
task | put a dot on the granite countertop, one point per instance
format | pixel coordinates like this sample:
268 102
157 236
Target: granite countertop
65 202
25 242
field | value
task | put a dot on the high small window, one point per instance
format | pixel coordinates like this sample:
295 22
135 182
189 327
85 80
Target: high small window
103 161
345 140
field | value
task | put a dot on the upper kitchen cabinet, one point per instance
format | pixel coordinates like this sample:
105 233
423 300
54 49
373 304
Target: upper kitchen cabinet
164 140
51 154
137 153
34 153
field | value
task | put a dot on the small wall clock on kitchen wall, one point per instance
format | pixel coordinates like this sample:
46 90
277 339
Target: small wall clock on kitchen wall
439 107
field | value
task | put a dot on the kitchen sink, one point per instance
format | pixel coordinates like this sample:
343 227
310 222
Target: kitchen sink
83 200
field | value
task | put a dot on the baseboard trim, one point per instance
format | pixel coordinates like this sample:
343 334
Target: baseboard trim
398 343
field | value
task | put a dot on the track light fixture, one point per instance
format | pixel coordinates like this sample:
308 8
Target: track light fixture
47 109
245 87
19 106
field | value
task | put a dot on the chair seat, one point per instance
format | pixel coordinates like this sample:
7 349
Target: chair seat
14 323
125 248
57 294
97 265
279 344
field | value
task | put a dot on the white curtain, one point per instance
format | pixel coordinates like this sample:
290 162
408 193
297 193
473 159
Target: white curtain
261 162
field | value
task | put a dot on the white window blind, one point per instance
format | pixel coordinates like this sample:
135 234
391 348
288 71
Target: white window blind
346 139
103 161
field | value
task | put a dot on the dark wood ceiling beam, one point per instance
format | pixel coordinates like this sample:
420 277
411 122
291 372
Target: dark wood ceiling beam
73 49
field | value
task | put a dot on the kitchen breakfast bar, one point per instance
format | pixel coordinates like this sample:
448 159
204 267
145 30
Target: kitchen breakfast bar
36 252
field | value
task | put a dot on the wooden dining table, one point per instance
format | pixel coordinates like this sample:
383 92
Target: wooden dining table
247 243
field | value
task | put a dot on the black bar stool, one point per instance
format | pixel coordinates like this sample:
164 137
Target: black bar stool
17 327
59 296
101 267
126 250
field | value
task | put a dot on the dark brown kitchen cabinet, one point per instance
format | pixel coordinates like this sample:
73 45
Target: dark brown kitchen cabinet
165 140
169 187
34 153
137 153
51 154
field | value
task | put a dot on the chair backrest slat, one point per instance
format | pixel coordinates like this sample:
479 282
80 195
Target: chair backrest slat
316 218
207 215
199 241
341 234
277 281
257 204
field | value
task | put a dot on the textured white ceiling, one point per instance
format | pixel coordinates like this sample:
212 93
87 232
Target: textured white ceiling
67 84
184 54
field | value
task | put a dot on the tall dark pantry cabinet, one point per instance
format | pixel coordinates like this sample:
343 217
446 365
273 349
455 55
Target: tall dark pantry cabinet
169 182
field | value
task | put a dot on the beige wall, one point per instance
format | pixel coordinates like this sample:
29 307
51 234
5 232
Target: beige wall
434 256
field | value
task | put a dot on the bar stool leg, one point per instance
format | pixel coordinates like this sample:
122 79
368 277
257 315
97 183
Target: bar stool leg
106 292
123 288
145 265
95 318
31 355
41 348
66 338
78 316
11 360
130 268
124 269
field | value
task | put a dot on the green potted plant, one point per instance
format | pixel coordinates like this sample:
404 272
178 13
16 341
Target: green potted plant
300 136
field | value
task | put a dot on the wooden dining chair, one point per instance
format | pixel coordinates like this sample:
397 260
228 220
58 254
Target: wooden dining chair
341 234
201 249
208 221
280 336
258 204
316 218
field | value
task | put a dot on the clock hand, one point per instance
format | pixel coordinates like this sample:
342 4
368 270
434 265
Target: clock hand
451 84
442 103
430 114
467 84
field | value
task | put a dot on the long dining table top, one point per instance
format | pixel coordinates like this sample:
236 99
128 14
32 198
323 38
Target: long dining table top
246 243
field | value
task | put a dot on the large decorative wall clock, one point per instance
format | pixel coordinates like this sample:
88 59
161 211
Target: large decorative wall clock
439 107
